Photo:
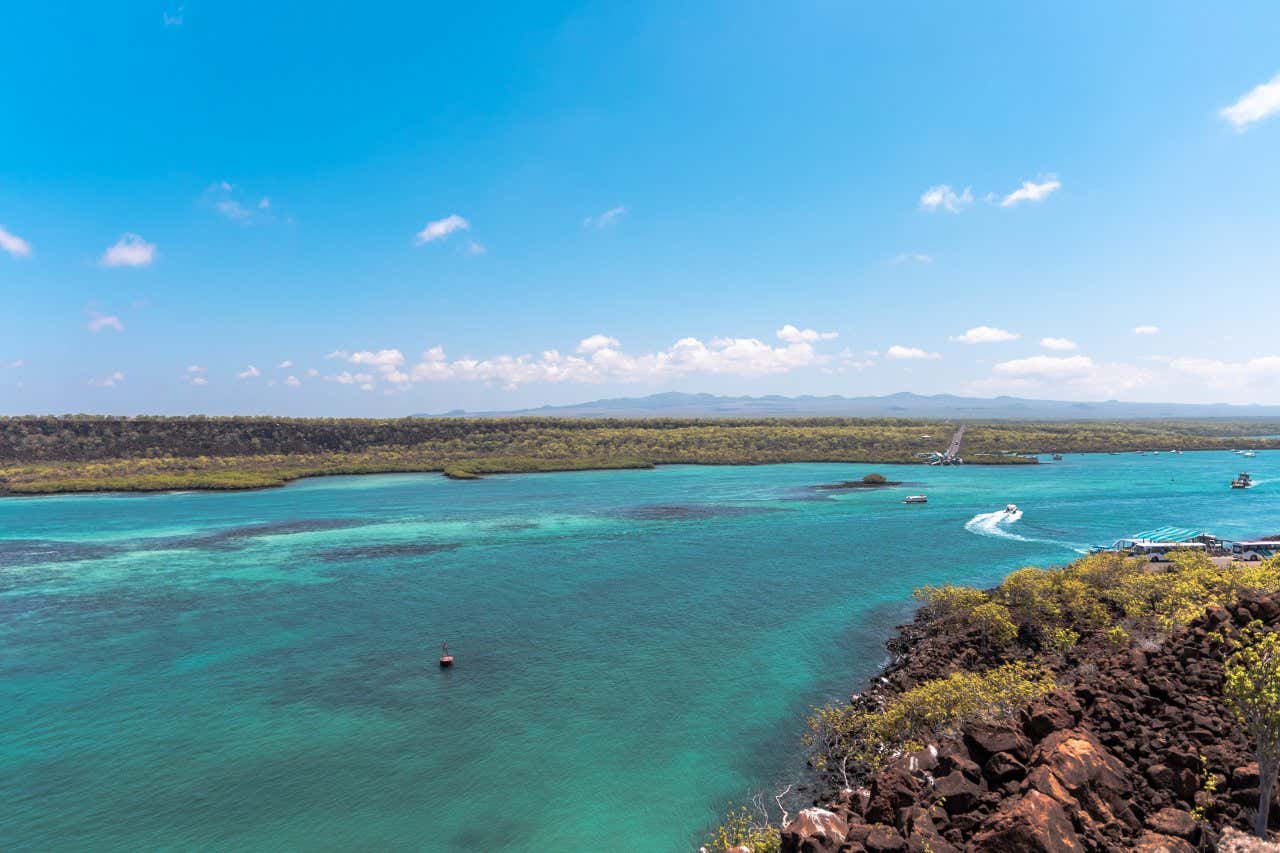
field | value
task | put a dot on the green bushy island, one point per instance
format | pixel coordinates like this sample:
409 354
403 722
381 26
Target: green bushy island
1026 627
85 453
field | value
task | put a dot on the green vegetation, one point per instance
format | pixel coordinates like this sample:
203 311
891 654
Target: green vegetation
741 828
1106 599
90 453
842 737
1252 688
874 480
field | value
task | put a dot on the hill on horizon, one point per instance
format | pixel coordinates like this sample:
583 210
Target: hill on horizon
675 404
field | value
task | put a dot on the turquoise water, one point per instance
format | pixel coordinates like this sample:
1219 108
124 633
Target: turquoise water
635 648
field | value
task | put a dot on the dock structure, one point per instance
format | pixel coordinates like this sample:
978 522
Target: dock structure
952 454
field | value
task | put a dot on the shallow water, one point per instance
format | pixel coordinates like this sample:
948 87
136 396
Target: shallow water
635 648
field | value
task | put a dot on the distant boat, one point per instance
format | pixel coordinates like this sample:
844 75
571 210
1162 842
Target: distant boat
446 659
1242 481
1248 454
1057 457
916 499
1010 509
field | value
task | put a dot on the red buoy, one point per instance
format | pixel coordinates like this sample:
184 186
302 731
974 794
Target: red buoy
446 659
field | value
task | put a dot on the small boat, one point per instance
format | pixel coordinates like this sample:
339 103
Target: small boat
446 659
1057 457
1248 454
916 499
1010 509
1242 481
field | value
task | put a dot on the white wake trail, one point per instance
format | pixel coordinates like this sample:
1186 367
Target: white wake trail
995 524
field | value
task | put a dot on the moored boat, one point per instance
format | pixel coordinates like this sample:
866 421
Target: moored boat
916 499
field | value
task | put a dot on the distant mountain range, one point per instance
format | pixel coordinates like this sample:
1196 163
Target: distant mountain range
902 405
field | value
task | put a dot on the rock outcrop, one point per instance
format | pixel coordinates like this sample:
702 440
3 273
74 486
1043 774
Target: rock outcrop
1135 751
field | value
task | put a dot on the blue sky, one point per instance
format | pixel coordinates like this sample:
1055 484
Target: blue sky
418 207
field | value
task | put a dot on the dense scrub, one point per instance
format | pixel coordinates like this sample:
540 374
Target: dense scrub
86 453
1114 662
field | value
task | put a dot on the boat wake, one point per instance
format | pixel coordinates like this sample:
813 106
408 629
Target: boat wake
996 524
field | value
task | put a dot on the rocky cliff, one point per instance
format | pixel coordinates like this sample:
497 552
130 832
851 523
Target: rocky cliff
1135 750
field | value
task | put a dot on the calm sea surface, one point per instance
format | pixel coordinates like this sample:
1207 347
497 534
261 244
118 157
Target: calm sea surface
636 649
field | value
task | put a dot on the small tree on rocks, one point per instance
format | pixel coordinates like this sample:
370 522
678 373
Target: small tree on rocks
1253 690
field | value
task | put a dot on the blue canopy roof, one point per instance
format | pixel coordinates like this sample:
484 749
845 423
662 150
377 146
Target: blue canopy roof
1169 534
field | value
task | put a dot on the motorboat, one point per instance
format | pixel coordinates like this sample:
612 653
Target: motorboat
1010 509
916 499
1242 481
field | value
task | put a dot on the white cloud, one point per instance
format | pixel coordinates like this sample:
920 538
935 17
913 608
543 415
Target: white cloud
232 209
1234 374
108 381
1032 191
98 322
195 368
16 363
381 358
1059 344
897 351
13 244
441 228
1146 330
610 217
1079 374
199 381
914 257
986 335
597 342
129 251
599 358
1046 365
311 371
194 375
942 196
249 372
293 382
475 249
285 365
792 335
1258 103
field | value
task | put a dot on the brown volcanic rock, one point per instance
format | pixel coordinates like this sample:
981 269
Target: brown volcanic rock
1154 842
814 831
1171 821
1078 759
1033 823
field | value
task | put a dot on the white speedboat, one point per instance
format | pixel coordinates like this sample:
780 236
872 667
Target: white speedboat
916 499
1010 509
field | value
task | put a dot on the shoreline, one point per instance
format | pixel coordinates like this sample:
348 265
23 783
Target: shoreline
1133 748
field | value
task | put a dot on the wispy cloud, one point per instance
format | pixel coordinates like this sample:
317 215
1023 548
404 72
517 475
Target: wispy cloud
1146 330
1258 103
16 363
194 375
113 378
901 353
612 216
13 244
1234 374
293 382
986 335
942 197
1032 191
98 322
249 372
129 251
912 257
598 358
285 365
1059 344
475 249
441 228
1079 374
792 335
229 201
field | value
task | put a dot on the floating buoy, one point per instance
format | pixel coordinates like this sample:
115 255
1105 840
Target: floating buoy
446 659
